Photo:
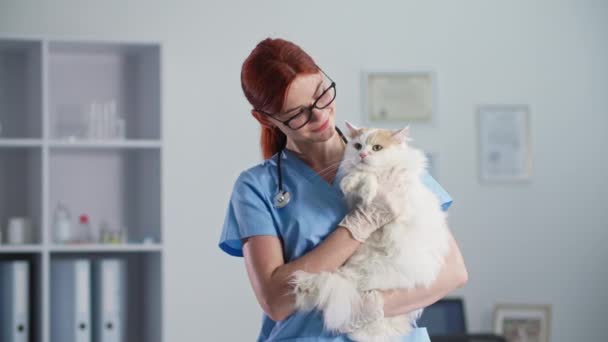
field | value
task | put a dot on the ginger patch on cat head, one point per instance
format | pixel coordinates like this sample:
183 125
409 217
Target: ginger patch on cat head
384 138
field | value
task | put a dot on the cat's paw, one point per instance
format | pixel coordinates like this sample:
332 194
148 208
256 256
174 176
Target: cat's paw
349 184
368 190
305 289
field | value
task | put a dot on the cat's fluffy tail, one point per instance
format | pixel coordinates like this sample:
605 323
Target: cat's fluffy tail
331 293
339 299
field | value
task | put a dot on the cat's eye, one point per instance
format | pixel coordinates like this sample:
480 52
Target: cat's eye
357 146
376 147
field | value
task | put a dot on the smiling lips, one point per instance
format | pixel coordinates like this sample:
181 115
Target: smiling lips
323 126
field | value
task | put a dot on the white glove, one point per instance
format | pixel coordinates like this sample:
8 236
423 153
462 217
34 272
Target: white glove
381 202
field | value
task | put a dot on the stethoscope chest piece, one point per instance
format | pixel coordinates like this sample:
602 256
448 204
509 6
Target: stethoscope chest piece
281 199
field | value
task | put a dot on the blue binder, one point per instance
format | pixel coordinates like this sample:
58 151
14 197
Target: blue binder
71 300
14 301
109 293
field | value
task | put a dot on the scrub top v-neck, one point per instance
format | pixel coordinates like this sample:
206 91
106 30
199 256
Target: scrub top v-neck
315 209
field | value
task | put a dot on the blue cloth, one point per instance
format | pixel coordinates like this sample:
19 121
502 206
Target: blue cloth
315 209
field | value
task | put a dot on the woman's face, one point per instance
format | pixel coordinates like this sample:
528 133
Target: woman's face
302 92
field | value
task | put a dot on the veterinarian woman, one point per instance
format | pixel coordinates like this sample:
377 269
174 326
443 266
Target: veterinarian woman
288 213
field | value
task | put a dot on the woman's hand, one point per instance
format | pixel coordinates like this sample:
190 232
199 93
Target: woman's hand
367 216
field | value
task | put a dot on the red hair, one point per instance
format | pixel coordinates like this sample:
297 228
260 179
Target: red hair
265 77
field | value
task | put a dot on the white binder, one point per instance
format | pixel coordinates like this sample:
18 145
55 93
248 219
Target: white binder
109 320
14 301
71 300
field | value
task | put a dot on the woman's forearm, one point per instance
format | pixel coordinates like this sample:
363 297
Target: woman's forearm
452 276
329 255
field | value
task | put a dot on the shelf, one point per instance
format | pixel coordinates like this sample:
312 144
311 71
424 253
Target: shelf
107 144
82 144
80 124
97 248
20 142
14 249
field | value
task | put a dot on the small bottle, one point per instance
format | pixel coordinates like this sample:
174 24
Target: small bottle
111 119
85 233
92 121
104 230
62 226
115 237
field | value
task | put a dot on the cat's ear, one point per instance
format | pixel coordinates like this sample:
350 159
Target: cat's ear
402 135
352 129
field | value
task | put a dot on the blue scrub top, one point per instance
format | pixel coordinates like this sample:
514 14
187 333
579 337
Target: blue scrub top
315 209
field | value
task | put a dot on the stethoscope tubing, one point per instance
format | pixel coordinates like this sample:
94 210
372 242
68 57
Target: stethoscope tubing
282 198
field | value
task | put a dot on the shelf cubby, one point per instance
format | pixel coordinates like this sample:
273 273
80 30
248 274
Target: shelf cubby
21 190
141 300
36 289
20 89
123 76
118 186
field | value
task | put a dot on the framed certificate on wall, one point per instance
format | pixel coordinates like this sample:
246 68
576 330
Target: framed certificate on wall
504 143
398 97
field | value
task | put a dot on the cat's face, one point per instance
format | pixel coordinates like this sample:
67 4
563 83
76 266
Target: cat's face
375 148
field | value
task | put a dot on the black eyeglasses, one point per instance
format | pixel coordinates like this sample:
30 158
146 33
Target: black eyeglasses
301 115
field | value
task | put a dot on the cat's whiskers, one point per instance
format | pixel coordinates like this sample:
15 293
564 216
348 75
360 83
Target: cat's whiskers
350 161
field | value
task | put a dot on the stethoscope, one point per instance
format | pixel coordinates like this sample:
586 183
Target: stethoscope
283 196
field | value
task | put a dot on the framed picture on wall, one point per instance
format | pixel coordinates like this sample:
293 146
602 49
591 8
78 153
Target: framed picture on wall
398 97
523 322
504 143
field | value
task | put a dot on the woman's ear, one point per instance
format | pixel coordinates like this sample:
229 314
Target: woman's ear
262 119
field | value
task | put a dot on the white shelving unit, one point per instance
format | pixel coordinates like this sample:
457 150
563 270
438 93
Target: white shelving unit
51 153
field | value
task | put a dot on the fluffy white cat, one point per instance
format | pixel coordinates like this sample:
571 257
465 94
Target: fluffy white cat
405 253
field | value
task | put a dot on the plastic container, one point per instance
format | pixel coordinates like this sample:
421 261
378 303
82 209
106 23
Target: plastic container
62 226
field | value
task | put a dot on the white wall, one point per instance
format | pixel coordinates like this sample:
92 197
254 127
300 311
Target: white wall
543 242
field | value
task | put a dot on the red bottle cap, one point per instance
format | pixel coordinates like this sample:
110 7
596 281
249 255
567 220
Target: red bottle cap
84 218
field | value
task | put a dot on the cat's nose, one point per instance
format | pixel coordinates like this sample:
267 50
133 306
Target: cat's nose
362 155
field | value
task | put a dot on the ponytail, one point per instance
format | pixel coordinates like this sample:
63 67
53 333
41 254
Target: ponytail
272 141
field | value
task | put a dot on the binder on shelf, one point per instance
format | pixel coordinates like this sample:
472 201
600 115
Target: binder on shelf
71 300
14 301
109 298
